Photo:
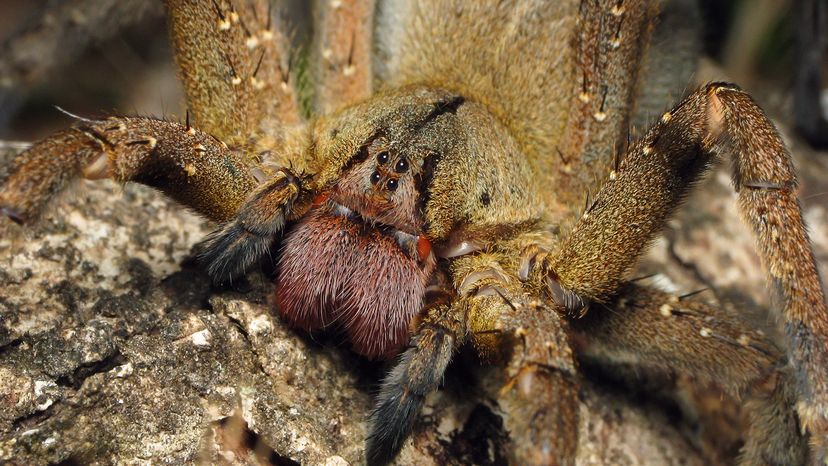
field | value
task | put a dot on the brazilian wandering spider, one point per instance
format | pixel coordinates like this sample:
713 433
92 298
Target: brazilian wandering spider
437 201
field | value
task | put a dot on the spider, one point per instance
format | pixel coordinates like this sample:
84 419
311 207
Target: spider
435 201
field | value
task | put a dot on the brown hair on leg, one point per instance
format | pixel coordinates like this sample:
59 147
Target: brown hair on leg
539 399
188 165
657 172
342 52
234 61
651 328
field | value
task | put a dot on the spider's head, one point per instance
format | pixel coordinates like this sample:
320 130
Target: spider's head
383 185
428 162
377 158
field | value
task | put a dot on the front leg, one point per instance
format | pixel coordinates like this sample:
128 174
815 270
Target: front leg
418 373
192 167
539 400
235 246
644 190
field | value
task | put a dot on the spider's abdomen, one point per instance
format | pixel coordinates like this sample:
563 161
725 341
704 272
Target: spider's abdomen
337 271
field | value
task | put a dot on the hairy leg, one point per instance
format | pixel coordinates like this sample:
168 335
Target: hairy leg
539 401
342 50
610 42
647 327
419 372
190 166
239 243
657 172
234 61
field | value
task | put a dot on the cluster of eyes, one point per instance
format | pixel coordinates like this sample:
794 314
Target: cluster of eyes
400 167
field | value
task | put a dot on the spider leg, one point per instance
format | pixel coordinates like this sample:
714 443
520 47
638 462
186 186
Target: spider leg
192 167
233 62
418 372
652 328
342 50
239 243
609 40
235 65
539 401
657 172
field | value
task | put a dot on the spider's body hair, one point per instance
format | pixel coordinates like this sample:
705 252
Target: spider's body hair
502 200
574 103
331 271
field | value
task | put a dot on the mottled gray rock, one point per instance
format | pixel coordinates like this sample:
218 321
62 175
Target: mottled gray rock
114 349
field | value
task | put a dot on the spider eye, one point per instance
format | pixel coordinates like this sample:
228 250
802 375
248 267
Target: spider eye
401 166
391 185
382 157
375 177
